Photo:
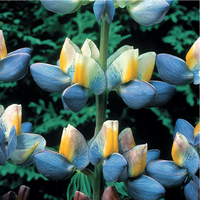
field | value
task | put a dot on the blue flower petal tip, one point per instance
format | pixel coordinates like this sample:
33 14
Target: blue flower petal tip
164 93
114 167
144 187
14 67
137 94
104 6
173 70
49 77
75 97
166 173
58 166
62 6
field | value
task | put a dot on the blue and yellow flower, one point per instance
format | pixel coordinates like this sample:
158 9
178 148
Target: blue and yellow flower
185 162
129 75
77 73
176 71
17 144
73 153
13 66
125 161
147 12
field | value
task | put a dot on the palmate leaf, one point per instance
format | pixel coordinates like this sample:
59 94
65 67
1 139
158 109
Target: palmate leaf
121 189
79 182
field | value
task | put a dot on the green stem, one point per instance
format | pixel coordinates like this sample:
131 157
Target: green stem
101 102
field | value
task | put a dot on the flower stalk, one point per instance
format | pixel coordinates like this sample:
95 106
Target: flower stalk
101 102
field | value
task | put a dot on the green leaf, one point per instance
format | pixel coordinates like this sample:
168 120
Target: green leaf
79 182
121 189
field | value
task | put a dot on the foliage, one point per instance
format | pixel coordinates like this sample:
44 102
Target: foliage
183 34
79 182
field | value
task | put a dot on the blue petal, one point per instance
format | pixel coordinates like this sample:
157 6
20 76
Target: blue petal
196 180
22 50
12 142
144 187
196 74
52 165
99 7
3 153
114 167
26 127
14 67
26 141
185 128
152 154
166 173
173 70
137 94
75 97
165 92
50 77
148 12
61 6
110 10
191 191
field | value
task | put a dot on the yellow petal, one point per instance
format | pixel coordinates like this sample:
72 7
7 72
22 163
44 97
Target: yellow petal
3 50
179 147
12 117
136 158
197 130
193 55
67 142
110 130
68 54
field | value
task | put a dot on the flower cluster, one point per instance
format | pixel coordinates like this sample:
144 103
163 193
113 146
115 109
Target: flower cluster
78 71
123 160
144 175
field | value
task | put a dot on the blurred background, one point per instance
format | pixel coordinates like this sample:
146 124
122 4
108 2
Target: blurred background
29 24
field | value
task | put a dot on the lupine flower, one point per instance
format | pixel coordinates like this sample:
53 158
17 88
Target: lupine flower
124 161
13 66
77 73
147 12
176 71
129 75
16 142
185 160
73 153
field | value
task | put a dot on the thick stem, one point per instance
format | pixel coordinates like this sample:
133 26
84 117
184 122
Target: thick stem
101 102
